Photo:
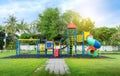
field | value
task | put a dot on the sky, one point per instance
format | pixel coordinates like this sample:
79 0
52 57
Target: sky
102 12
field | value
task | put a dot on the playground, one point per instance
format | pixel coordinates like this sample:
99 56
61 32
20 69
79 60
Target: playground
68 45
61 57
59 38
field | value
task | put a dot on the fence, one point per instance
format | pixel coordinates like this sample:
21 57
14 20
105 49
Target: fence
103 48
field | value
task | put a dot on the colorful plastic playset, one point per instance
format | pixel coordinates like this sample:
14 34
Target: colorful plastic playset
72 40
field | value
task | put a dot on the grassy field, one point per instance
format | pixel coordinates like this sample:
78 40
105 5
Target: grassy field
18 67
78 66
95 67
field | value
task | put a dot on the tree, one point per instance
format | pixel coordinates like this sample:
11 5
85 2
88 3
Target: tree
83 24
86 25
69 16
49 23
29 36
11 24
26 36
2 35
11 28
115 38
33 28
103 34
118 28
21 27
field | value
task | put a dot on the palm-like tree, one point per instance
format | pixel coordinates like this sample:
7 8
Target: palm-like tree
10 25
22 27
10 28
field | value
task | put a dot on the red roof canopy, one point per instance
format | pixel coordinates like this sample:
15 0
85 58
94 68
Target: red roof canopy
71 26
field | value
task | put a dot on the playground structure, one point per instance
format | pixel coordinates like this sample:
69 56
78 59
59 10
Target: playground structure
71 44
41 46
71 39
94 45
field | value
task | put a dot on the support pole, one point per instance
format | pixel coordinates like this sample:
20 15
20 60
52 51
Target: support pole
68 40
17 47
83 48
37 42
61 47
53 47
38 51
75 42
45 42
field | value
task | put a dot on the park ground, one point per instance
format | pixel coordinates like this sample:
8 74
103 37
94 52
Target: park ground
78 66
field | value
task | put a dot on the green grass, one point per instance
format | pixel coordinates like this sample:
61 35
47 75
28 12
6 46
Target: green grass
95 67
20 66
78 66
4 54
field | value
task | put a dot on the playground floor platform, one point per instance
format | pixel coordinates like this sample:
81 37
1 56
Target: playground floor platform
51 56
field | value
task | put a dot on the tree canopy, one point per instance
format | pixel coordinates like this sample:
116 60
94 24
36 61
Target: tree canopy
103 34
53 23
49 23
12 26
83 24
115 38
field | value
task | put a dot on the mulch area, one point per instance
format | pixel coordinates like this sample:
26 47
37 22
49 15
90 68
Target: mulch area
51 56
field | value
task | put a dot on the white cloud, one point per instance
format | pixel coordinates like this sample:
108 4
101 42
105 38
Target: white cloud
28 10
21 10
95 9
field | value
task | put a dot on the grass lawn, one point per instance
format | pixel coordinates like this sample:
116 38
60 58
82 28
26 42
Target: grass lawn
94 67
78 66
4 54
19 67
